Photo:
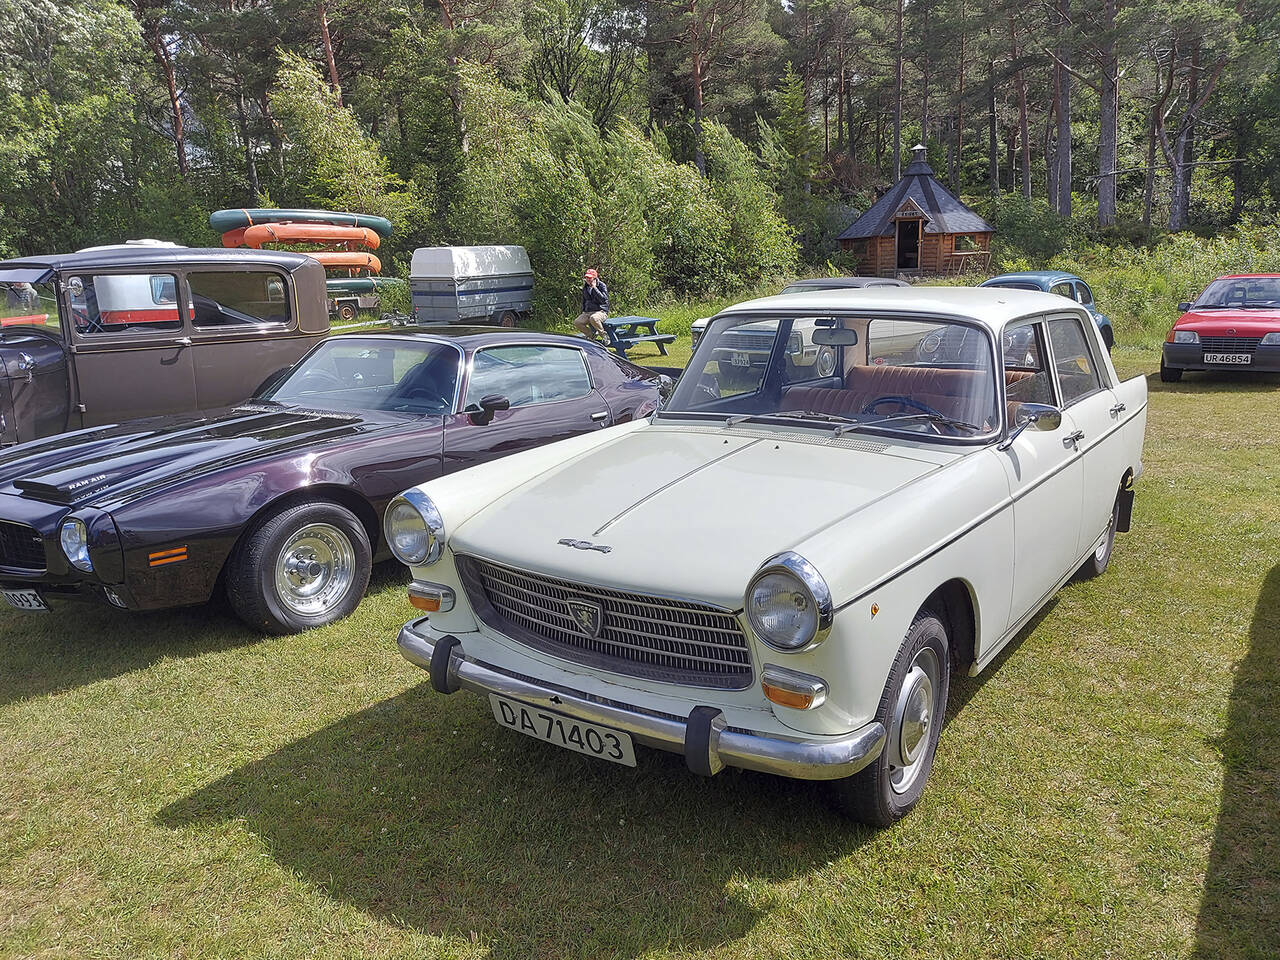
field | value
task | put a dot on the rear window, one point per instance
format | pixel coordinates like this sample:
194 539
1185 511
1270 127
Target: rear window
239 298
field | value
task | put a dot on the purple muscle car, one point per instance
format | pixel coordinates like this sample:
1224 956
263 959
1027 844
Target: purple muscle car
279 500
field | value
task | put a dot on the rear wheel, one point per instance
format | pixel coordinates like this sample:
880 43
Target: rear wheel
1096 565
1108 337
911 710
304 567
1169 374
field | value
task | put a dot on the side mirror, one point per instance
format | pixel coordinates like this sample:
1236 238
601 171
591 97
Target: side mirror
1184 306
1036 416
489 405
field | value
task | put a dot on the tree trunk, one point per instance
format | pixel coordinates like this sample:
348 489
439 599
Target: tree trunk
1181 179
1149 189
1108 119
1050 146
1063 146
1189 147
160 50
924 76
250 161
897 98
993 138
1024 131
328 52
699 155
958 160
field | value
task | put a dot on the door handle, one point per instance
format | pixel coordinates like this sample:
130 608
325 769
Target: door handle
183 341
1071 439
601 416
1117 409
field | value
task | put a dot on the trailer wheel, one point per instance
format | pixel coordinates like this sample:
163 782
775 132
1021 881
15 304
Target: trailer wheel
346 312
508 318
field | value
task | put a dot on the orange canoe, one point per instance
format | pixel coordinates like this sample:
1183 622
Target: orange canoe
260 234
349 259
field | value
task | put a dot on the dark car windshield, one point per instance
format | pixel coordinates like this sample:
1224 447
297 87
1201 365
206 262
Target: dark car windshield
1247 292
1012 284
28 305
373 374
930 377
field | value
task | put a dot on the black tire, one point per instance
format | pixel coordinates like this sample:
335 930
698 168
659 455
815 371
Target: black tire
876 794
507 318
1108 337
1169 374
1096 565
347 313
252 586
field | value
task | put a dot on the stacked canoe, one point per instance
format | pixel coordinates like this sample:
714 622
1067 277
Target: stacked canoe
340 241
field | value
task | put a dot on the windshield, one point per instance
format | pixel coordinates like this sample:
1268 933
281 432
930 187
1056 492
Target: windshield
928 376
1012 284
363 374
28 305
1257 292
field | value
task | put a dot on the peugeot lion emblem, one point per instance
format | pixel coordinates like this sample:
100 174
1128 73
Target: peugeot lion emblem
584 545
588 616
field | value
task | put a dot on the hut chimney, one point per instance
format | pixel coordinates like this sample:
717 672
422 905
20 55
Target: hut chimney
918 153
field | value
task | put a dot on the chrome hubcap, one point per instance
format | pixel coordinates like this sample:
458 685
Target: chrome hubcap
315 569
913 721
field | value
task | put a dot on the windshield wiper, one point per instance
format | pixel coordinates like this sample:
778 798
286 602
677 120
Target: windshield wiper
791 415
931 417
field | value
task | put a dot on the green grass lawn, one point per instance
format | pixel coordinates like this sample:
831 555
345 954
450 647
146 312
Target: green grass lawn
171 785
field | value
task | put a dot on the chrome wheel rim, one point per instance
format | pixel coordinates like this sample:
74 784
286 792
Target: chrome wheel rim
826 362
1104 548
914 717
315 569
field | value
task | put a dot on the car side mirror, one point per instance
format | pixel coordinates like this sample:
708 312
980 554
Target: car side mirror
489 405
1184 306
1036 416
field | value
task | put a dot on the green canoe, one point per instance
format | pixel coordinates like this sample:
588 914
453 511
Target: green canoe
233 219
358 285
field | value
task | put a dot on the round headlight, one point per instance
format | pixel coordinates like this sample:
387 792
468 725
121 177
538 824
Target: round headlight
1186 336
414 529
788 604
74 537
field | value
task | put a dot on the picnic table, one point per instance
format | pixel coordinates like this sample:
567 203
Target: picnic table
625 332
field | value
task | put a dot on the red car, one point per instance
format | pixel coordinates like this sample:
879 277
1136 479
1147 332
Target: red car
1233 324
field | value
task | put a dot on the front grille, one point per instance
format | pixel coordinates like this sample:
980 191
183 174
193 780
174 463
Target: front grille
756 341
1229 344
21 547
674 641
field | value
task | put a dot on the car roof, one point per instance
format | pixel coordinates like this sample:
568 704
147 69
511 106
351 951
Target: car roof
1046 275
992 307
1249 276
835 283
469 337
124 255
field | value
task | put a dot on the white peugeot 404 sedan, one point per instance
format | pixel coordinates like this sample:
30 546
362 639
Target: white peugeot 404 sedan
781 572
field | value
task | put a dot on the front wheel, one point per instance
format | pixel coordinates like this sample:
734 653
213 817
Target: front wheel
304 567
1169 374
911 710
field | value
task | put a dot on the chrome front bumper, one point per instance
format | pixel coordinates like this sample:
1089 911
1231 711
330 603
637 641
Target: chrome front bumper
704 739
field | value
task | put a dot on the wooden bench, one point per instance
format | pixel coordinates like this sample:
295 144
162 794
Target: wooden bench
625 332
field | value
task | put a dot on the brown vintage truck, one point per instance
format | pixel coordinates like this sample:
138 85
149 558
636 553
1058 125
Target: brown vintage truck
112 333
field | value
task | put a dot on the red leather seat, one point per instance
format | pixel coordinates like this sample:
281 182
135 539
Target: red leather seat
959 394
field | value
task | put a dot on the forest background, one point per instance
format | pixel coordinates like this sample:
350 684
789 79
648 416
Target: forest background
686 148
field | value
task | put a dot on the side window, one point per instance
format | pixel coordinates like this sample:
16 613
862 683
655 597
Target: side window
1063 290
1026 379
1077 372
527 375
124 303
234 298
1083 293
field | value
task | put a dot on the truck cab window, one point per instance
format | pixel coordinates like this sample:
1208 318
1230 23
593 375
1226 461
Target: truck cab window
124 303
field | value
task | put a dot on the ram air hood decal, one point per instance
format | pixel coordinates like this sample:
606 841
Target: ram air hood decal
677 507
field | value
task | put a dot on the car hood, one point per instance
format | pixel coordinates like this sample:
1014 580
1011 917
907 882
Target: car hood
124 461
687 510
1230 323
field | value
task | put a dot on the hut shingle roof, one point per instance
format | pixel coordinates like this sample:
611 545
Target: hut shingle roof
943 212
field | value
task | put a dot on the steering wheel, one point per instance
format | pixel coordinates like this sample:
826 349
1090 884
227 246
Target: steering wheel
904 404
320 380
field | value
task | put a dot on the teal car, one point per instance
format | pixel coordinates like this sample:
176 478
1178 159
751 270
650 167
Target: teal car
1064 284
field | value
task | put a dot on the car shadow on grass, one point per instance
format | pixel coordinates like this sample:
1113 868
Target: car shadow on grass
422 811
79 643
1240 909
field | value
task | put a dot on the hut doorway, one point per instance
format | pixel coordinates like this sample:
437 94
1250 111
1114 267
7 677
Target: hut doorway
909 244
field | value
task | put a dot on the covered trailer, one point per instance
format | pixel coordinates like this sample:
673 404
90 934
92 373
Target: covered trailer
476 284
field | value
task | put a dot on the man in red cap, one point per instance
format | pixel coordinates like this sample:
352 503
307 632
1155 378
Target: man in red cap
595 307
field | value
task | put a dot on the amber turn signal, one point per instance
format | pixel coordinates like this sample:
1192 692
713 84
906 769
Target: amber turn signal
430 597
791 688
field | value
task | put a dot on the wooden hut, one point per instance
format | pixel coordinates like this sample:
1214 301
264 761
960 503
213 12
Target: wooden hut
919 226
